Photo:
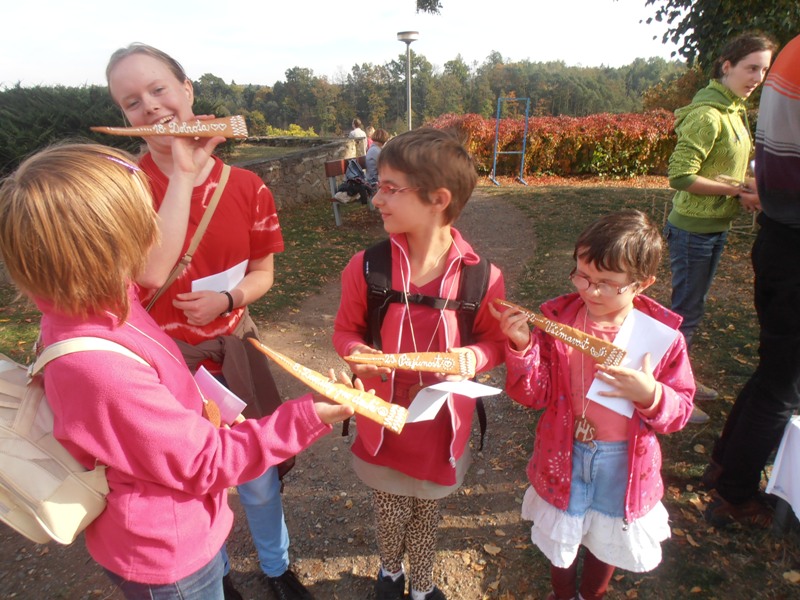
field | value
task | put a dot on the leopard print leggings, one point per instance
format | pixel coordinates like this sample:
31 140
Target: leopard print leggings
405 524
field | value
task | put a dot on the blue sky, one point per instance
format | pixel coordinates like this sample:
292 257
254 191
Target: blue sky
52 42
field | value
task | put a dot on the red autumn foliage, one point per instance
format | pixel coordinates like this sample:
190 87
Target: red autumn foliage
616 145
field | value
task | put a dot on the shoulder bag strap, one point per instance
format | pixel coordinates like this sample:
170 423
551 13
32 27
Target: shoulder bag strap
198 235
80 344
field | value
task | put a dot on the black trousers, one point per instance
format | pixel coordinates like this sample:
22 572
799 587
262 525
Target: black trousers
766 403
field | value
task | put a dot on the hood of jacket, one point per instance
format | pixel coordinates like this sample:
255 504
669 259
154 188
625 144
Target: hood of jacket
715 95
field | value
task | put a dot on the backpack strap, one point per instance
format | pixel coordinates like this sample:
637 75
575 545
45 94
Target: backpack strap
80 344
471 292
378 275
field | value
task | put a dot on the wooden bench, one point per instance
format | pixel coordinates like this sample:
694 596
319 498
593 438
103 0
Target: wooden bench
334 171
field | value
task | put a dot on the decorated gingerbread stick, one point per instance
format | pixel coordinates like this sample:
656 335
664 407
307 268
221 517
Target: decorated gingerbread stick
601 351
451 363
229 127
391 416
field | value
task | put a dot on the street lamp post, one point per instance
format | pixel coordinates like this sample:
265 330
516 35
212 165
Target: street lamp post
408 37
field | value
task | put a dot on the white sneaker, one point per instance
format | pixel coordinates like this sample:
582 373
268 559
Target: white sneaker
704 392
342 197
698 416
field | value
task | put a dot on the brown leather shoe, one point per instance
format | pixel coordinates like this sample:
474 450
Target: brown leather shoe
755 512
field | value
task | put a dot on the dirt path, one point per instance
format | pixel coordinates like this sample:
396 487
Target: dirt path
484 549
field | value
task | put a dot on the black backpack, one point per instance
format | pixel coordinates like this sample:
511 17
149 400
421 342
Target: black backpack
471 291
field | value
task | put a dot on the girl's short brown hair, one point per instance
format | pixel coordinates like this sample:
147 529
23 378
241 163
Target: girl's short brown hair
433 159
76 225
381 136
622 242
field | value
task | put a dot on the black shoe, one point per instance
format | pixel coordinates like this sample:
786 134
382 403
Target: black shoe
288 587
387 589
231 593
435 594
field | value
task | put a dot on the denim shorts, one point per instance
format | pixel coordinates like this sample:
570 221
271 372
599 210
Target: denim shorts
599 478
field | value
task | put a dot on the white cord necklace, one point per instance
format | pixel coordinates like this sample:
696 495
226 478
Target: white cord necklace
414 389
584 430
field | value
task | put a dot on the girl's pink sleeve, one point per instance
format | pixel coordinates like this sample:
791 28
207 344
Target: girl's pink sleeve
674 375
136 425
528 372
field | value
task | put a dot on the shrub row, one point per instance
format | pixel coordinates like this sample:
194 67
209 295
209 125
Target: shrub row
616 145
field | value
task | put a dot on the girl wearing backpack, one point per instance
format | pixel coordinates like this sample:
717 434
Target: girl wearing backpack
426 178
76 226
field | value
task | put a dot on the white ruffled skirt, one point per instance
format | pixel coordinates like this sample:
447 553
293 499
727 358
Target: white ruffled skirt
635 547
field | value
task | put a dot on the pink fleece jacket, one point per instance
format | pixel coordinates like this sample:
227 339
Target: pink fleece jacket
168 467
426 450
539 378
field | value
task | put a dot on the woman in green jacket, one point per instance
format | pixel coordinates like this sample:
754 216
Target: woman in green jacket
708 169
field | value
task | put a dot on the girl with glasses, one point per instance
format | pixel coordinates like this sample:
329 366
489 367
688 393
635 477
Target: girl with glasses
595 473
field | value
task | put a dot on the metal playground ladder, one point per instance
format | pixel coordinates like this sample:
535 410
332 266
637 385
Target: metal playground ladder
500 102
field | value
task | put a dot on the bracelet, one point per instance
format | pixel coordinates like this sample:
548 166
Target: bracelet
230 303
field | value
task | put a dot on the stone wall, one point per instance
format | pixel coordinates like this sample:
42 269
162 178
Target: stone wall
299 177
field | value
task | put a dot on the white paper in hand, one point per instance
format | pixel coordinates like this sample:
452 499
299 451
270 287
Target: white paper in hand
639 334
429 400
230 405
225 281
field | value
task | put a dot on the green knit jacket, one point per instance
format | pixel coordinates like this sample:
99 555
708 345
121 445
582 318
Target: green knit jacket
713 139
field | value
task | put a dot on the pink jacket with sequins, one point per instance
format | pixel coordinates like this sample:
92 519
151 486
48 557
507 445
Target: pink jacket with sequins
539 378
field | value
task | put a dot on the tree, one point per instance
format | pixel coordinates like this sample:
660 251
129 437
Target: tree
702 27
429 6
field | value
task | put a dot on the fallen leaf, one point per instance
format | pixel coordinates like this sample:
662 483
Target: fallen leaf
691 541
792 576
696 590
491 549
699 448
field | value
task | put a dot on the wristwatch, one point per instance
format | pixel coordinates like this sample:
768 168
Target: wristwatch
230 303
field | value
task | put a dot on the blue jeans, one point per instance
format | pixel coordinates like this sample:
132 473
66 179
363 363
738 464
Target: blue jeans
759 416
599 478
203 584
693 259
261 499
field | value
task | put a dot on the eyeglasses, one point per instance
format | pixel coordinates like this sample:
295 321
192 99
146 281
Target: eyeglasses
583 283
390 190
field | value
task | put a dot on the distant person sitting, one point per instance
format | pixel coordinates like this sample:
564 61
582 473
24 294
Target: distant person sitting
379 138
370 133
359 136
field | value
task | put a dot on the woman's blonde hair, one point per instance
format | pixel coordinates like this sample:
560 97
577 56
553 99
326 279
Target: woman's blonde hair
76 225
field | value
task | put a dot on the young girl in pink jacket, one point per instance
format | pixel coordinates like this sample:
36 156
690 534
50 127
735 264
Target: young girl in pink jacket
595 472
76 225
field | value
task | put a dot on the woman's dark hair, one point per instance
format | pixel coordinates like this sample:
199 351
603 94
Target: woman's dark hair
741 46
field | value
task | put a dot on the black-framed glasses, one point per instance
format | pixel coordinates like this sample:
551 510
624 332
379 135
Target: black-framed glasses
583 283
391 190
